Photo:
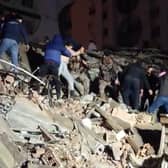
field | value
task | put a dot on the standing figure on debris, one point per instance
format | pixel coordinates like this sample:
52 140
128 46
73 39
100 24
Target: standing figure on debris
133 79
92 46
13 31
64 71
51 65
154 83
107 76
162 98
60 54
78 67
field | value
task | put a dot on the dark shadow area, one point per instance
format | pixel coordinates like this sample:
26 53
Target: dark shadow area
35 59
94 87
152 137
112 91
129 31
64 20
155 162
126 6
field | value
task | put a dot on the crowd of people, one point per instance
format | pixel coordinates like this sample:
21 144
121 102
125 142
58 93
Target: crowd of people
62 57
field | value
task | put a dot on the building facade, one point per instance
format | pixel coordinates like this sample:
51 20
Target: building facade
110 23
126 23
93 20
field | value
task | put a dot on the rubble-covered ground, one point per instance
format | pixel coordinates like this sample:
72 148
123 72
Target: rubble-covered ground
85 132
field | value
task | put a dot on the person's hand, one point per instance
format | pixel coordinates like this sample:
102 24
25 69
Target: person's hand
150 92
27 47
65 59
82 50
117 82
84 62
141 92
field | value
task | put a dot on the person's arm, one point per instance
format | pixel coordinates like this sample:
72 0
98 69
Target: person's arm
25 36
76 53
146 83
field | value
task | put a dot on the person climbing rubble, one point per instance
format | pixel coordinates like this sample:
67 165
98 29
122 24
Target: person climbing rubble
107 77
134 79
154 84
59 52
79 70
162 97
13 30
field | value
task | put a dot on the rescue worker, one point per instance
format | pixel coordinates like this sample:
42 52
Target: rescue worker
134 78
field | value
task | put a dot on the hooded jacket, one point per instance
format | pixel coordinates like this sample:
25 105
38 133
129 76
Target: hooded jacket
14 30
55 48
136 71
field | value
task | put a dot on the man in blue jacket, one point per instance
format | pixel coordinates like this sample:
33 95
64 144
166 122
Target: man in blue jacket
12 34
58 52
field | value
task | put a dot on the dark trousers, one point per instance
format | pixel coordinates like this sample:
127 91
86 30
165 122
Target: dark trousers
52 69
146 96
130 91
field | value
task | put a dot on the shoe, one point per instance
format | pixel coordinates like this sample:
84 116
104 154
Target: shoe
72 93
58 96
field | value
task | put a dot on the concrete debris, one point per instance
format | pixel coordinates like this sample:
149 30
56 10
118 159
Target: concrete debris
11 155
85 132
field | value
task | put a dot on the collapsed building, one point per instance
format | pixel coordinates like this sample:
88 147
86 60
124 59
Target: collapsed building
84 132
38 131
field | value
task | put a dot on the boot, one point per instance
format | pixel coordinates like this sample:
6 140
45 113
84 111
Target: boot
72 93
58 95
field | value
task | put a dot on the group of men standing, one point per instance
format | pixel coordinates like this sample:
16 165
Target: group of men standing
139 84
134 82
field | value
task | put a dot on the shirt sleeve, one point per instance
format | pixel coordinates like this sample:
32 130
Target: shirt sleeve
145 81
65 52
24 33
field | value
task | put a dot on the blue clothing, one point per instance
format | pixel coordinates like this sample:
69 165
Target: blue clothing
130 91
12 34
14 30
160 101
52 55
75 45
54 49
11 47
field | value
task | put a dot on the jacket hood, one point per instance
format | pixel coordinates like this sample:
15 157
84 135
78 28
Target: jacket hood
56 43
57 39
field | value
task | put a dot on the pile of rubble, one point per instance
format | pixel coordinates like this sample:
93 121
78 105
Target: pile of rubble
75 133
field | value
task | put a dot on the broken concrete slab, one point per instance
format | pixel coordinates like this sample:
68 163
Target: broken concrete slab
10 155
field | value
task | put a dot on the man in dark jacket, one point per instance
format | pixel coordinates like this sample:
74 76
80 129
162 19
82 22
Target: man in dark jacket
162 98
13 32
154 83
134 77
